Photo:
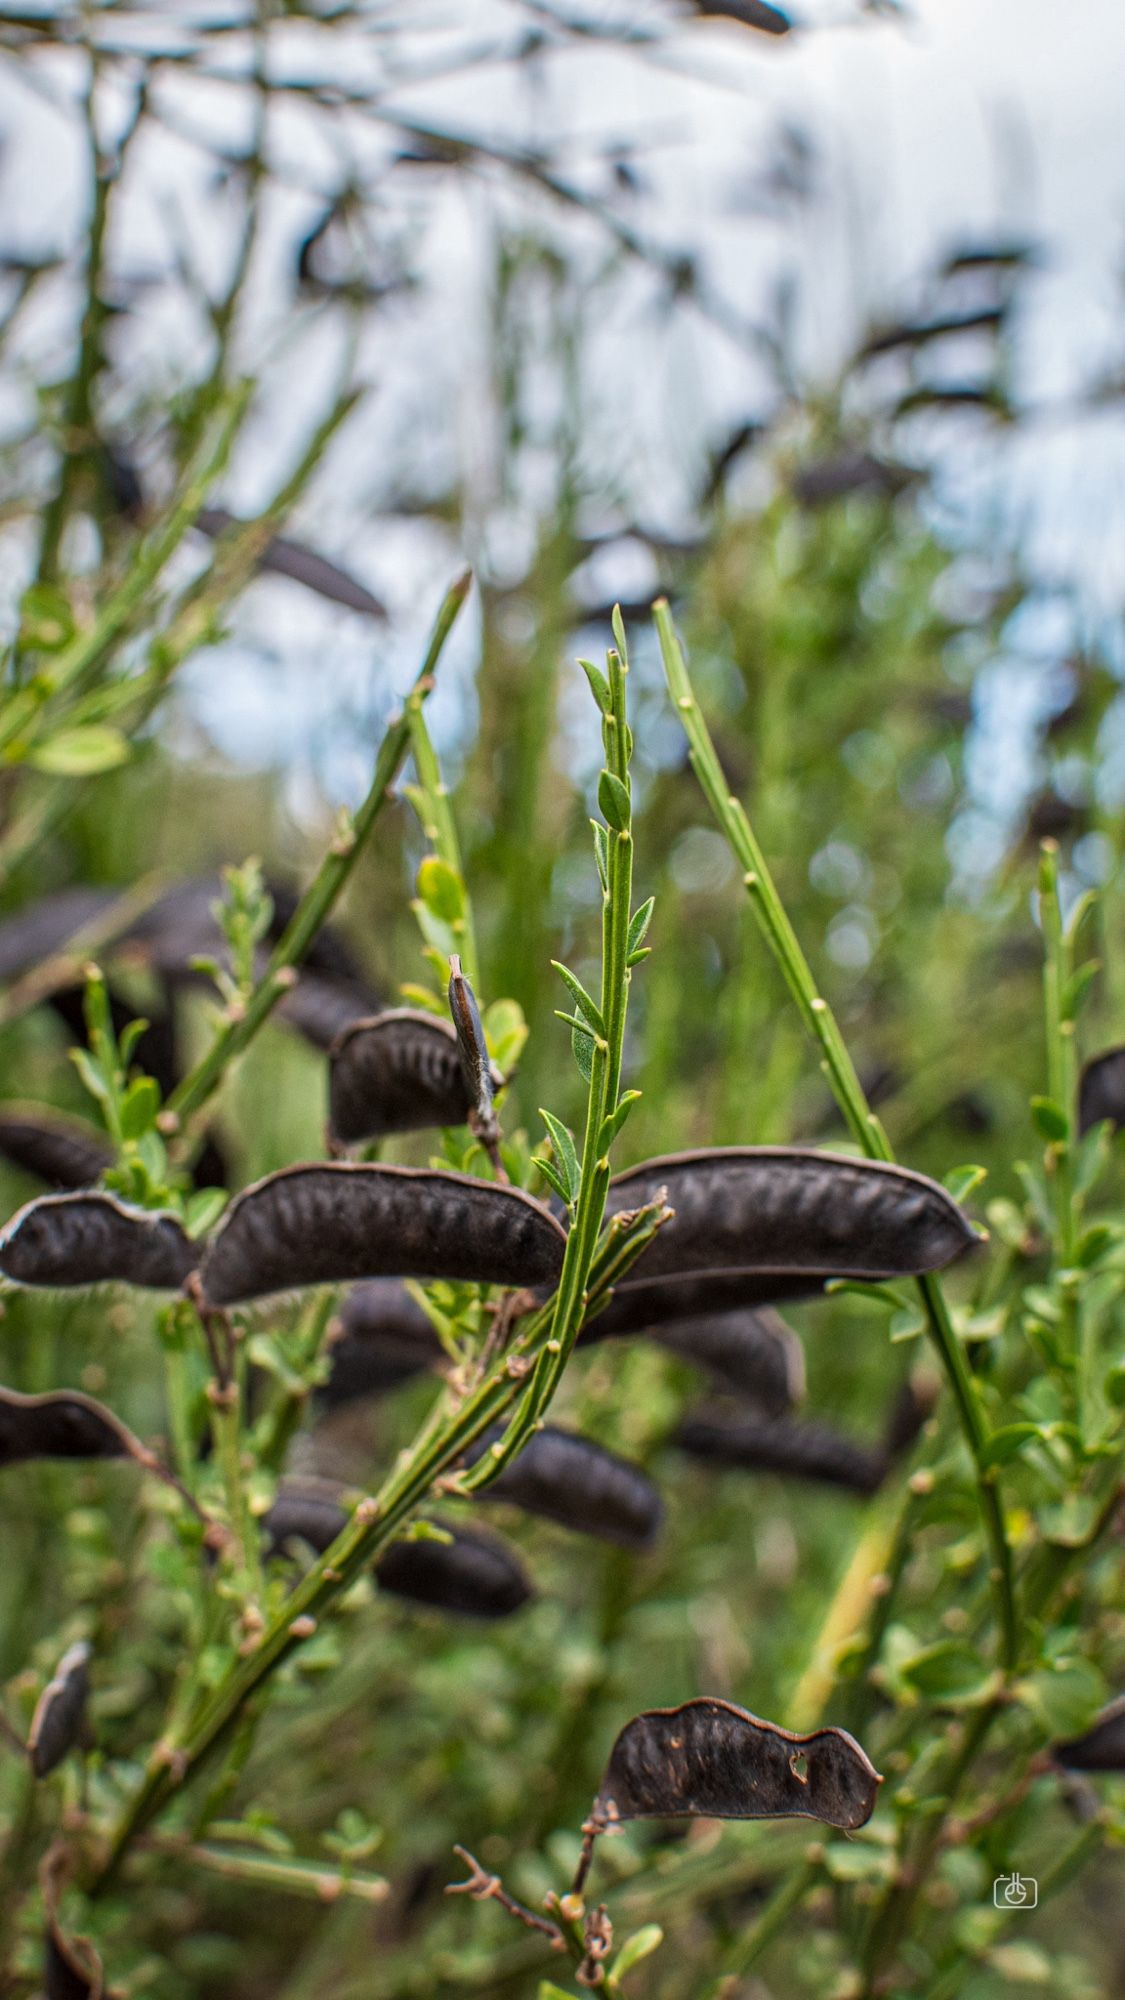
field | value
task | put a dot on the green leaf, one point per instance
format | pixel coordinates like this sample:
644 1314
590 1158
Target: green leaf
586 1006
611 1126
1007 1443
46 619
553 1177
599 686
139 1107
92 1077
1080 910
442 890
613 802
565 1151
1094 1243
1050 1119
506 1033
549 1991
583 1047
963 1181
80 753
638 925
203 1209
947 1671
1065 1697
601 852
1077 987
617 624
423 997
641 1945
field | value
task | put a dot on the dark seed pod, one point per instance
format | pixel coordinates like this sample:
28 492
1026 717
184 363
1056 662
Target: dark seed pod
63 1424
321 1009
752 1353
1101 1090
397 1072
654 1307
305 1510
792 1214
381 1339
46 927
758 14
323 1224
711 1760
1102 1748
60 1711
473 1575
90 1239
285 557
579 1484
71 1967
64 1152
476 1066
798 1451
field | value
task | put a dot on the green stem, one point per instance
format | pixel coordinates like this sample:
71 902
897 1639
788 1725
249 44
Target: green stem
319 899
840 1070
324 1882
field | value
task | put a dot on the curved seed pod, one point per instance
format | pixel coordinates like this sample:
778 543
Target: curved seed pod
579 1484
798 1451
792 1213
60 1711
64 1152
473 1575
305 1510
1102 1748
1101 1090
89 1239
304 565
476 1066
381 1338
752 1353
650 1307
400 1071
47 927
63 1424
709 1759
323 1224
321 1009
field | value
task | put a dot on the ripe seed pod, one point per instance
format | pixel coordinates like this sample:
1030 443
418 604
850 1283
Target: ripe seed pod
752 1353
578 1484
60 1711
709 1759
794 1214
64 1152
63 1424
381 1338
47 926
400 1071
71 1967
1102 1747
476 1067
305 1510
474 1575
650 1306
798 1451
1101 1090
91 1238
333 1222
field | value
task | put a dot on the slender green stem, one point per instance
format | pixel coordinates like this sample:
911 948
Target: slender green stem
1063 1092
324 1882
840 1070
319 899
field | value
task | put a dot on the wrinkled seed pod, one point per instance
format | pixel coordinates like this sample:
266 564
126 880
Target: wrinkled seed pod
752 1353
578 1484
64 1152
1102 1747
711 1760
93 1238
400 1071
797 1451
60 1711
324 1224
792 1213
474 1575
1101 1090
381 1338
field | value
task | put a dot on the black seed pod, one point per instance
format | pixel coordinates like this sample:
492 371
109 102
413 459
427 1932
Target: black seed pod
798 1451
752 1353
709 1759
473 1575
793 1214
1101 1090
305 1510
323 1224
64 1152
579 1484
650 1307
60 1711
381 1338
400 1071
1102 1748
63 1424
89 1239
476 1068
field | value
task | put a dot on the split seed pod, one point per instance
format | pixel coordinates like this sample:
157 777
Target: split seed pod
1102 1748
474 1575
60 1711
578 1484
476 1068
380 1339
64 1152
1101 1090
797 1217
754 1354
324 1224
90 1239
709 1759
400 1071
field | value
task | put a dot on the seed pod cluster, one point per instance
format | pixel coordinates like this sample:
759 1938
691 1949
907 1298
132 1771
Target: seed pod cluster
471 1575
709 1759
577 1484
60 1711
400 1071
324 1224
92 1238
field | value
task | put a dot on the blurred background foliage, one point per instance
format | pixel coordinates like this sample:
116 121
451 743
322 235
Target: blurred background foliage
258 199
